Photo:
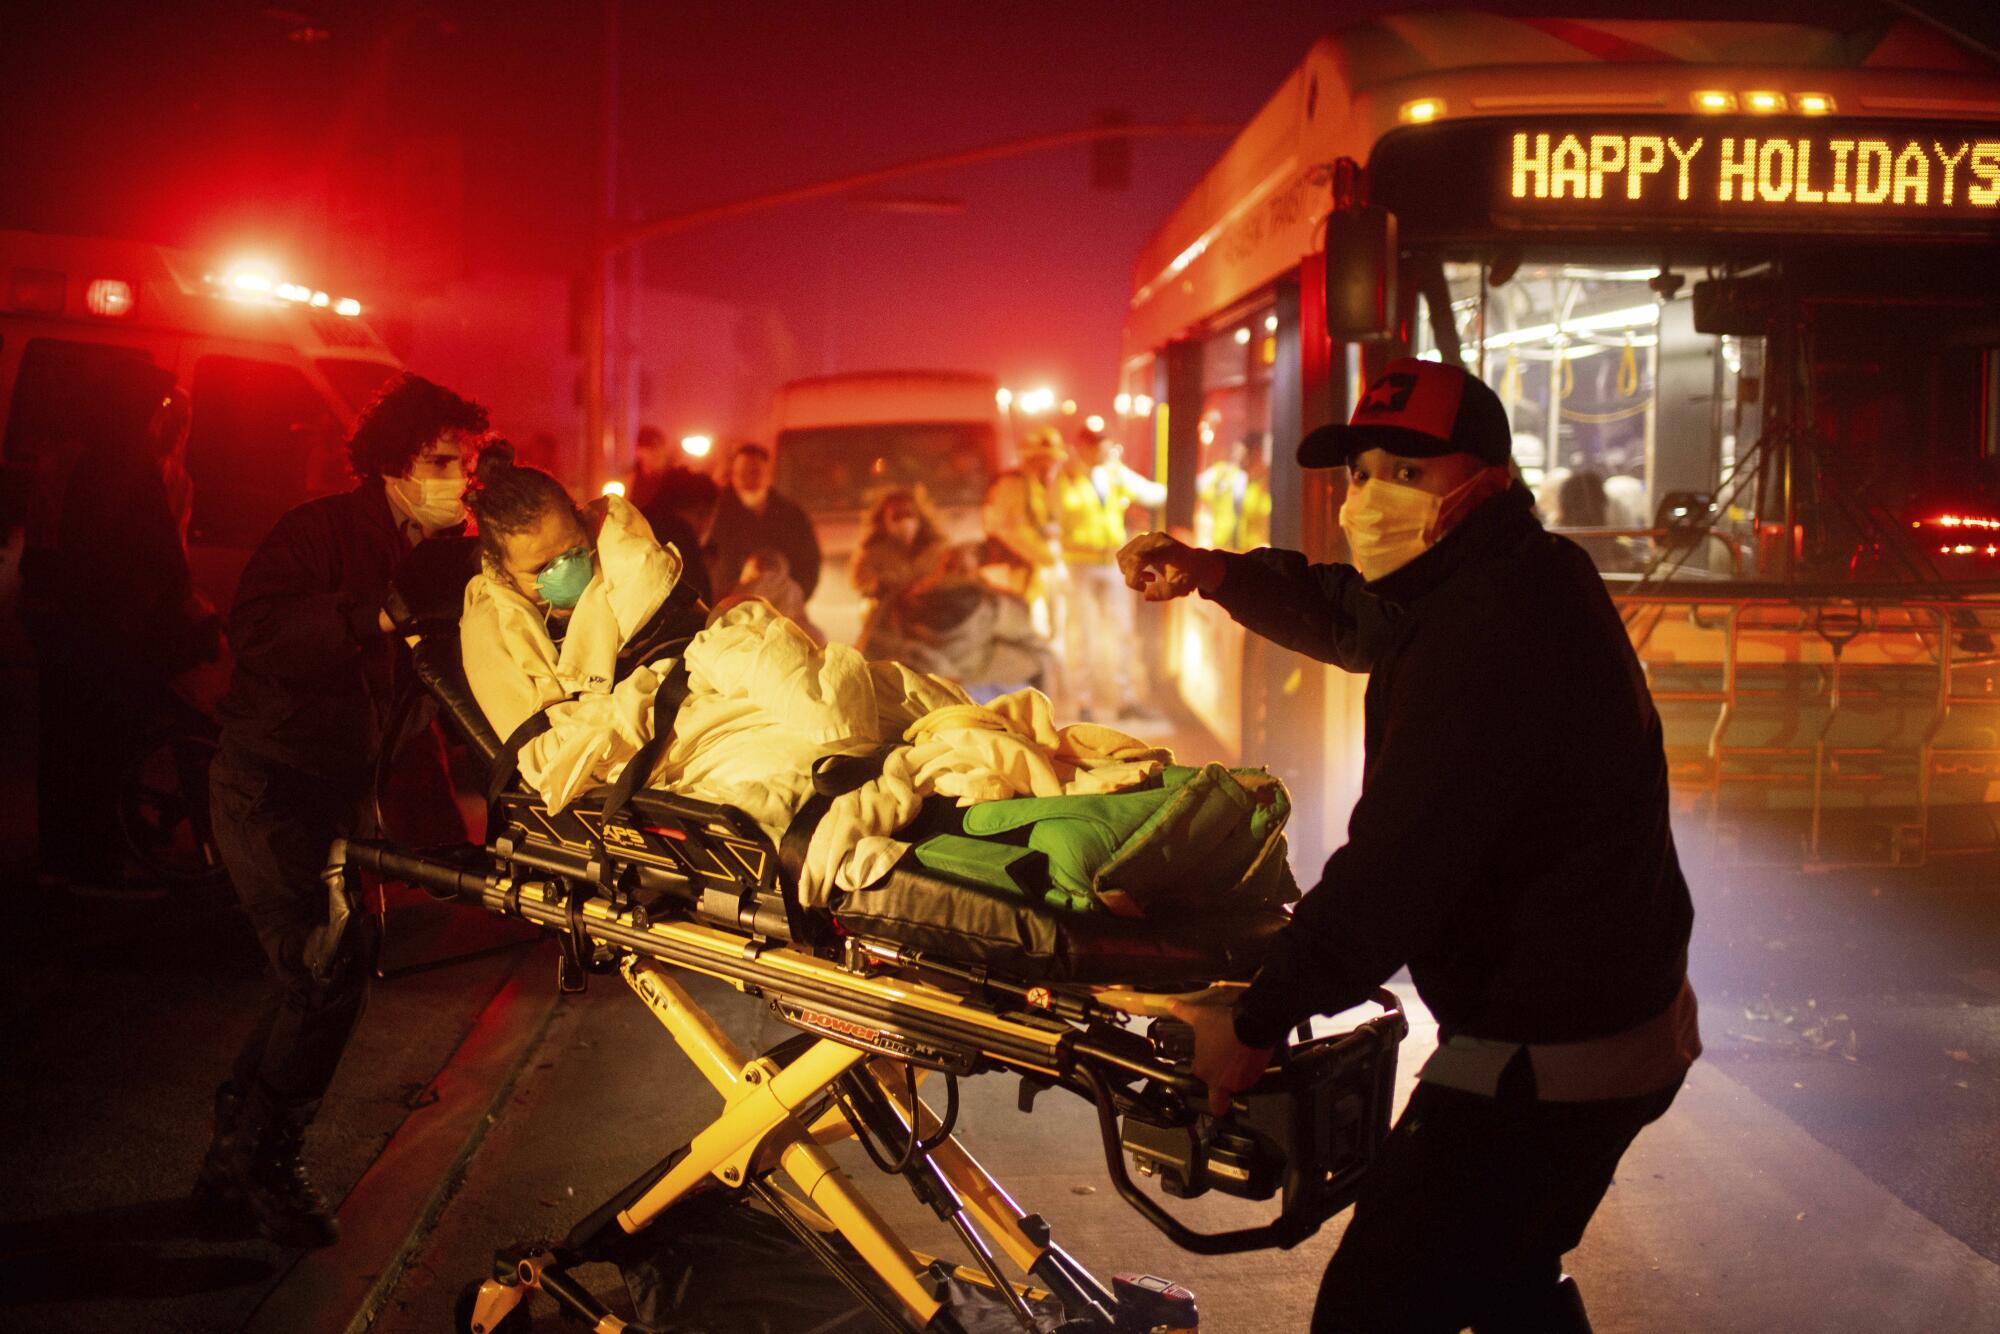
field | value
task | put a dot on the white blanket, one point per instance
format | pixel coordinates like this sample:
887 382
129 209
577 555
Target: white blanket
763 703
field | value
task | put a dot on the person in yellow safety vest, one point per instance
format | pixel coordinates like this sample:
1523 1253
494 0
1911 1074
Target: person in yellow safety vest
1094 492
1023 549
1235 494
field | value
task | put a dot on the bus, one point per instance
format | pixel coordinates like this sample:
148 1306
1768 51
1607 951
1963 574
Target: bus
276 372
840 441
1738 286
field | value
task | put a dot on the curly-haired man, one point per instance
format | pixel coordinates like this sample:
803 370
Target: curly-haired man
314 654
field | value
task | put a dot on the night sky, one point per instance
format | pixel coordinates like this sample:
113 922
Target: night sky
393 148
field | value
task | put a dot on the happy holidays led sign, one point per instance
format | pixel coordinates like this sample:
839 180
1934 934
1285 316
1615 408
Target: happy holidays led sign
1740 171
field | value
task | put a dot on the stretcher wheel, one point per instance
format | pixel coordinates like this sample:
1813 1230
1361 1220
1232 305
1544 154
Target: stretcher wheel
516 1321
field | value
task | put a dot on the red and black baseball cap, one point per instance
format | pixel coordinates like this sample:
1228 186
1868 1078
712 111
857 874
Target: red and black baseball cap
1419 409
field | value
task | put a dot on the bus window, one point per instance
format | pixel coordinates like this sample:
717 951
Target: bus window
263 440
1618 405
1233 503
355 381
832 468
43 432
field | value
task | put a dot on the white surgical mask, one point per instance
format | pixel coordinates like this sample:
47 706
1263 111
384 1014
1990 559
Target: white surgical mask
436 503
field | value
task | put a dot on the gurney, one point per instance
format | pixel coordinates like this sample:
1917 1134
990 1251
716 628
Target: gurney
916 978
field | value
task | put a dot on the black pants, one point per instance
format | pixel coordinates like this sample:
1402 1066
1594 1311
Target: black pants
274 826
1465 1217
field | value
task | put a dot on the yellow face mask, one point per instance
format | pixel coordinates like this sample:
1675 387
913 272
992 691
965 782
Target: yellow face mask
1387 524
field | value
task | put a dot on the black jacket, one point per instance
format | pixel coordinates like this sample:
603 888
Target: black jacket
735 533
670 528
314 671
1511 844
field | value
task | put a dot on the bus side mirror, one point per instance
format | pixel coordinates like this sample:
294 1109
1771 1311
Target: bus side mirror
1740 307
1360 274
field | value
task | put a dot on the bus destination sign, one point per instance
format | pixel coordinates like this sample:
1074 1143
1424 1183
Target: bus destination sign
1732 173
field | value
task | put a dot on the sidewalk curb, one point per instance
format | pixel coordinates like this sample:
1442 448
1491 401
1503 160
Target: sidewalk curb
399 1199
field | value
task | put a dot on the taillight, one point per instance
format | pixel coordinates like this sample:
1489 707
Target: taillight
109 297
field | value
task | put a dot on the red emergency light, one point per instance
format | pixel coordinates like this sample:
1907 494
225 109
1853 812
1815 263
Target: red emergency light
108 297
1963 534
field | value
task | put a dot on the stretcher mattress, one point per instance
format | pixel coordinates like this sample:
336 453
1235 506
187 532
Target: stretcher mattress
666 850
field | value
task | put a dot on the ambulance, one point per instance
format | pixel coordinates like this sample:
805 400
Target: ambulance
276 370
841 441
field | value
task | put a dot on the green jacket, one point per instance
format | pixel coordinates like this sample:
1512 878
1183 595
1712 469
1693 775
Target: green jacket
1200 834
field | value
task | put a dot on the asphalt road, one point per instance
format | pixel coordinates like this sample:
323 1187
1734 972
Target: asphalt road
1865 1006
121 1016
1853 1019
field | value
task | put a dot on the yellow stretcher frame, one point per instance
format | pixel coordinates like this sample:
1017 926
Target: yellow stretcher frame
874 1017
759 1131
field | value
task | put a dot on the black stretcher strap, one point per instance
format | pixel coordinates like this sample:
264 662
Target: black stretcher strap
667 701
507 762
832 776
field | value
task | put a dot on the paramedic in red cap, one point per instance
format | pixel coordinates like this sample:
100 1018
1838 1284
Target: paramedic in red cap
1511 848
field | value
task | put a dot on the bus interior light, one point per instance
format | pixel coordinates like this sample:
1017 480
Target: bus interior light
1069 407
696 446
320 300
1243 335
109 297
1422 111
1714 101
1812 104
1270 324
614 488
1093 422
1764 102
1004 397
1142 405
1122 405
347 305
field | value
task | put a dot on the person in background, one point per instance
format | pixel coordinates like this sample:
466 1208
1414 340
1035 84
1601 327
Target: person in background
656 492
1234 513
1511 847
1022 554
767 574
750 516
315 653
1094 492
117 626
902 551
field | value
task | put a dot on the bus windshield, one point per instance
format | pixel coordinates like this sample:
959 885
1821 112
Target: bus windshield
833 468
1667 451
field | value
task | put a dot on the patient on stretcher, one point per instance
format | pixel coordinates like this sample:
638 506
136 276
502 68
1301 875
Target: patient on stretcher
573 619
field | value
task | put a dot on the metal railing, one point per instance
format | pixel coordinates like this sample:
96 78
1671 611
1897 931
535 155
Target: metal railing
1944 636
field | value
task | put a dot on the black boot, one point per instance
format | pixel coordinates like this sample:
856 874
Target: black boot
253 1170
217 1191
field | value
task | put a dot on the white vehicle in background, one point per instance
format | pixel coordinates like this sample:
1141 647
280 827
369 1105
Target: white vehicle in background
276 371
840 441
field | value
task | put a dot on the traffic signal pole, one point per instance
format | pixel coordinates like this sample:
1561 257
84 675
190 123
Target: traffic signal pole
611 237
